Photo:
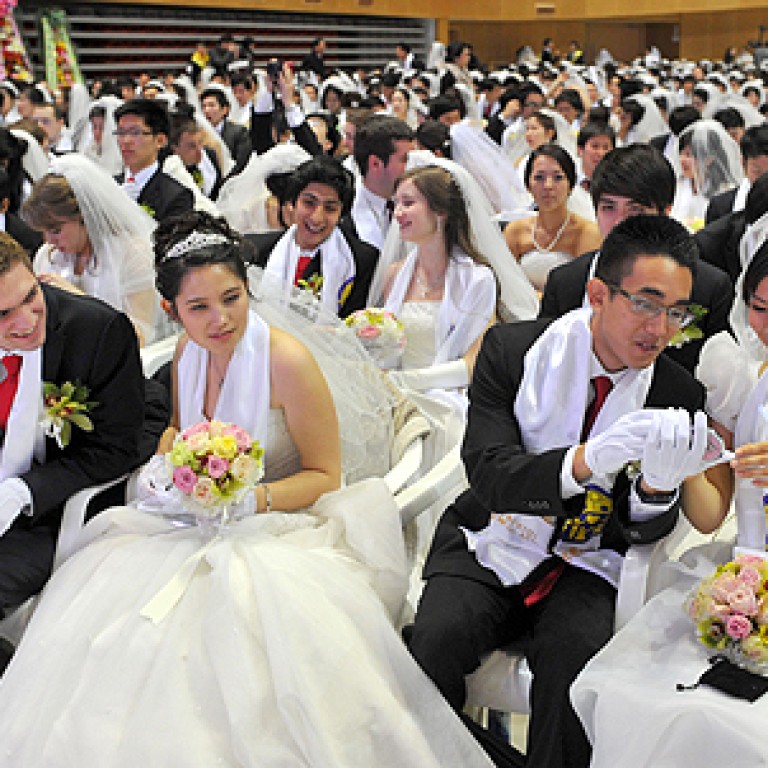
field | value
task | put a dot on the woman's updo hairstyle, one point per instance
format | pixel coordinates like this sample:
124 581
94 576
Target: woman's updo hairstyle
177 253
755 273
51 203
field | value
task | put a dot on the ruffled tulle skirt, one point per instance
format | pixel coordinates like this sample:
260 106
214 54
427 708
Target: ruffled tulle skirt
268 646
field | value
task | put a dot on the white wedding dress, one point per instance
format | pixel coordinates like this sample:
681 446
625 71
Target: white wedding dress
538 264
270 645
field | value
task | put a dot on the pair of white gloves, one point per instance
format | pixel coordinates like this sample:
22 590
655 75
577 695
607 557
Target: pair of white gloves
669 444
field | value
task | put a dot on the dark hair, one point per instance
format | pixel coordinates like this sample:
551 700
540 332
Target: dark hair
434 135
34 94
331 129
97 111
11 253
444 197
12 151
639 172
323 170
152 111
702 93
681 117
217 94
169 273
634 109
404 46
547 122
644 236
755 272
5 185
376 137
390 79
510 94
754 142
333 89
599 114
570 96
445 103
455 49
244 80
559 155
181 123
729 117
593 130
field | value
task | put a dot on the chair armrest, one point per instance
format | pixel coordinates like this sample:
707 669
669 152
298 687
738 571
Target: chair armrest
154 355
448 474
73 519
407 467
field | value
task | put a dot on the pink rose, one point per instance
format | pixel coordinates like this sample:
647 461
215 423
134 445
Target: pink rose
749 575
184 479
195 429
723 586
242 438
368 332
217 467
743 600
738 627
203 492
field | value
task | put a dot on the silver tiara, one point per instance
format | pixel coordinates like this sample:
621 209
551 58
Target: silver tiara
194 242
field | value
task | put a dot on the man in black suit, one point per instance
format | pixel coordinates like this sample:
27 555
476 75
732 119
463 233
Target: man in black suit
754 155
51 336
322 242
314 61
142 132
628 181
215 106
186 141
533 549
29 239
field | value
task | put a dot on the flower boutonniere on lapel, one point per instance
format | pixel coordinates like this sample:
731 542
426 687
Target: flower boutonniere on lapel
197 176
64 407
692 330
148 209
313 284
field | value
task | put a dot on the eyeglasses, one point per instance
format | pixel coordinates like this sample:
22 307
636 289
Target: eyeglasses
132 133
648 309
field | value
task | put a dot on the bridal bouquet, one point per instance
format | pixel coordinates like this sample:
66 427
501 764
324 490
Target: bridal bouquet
380 332
730 609
214 465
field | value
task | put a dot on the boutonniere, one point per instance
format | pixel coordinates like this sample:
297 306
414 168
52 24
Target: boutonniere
197 176
313 284
692 330
148 209
63 407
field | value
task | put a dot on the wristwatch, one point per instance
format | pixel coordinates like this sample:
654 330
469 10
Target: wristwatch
665 497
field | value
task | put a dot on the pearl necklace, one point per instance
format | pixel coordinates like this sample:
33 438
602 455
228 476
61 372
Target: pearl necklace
553 242
426 287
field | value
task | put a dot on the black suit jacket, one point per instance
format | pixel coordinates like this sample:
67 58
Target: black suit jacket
262 139
660 142
163 196
365 255
504 477
718 243
29 239
495 128
566 284
88 341
237 138
720 205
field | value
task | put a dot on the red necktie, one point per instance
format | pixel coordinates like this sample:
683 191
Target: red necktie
602 385
301 268
8 386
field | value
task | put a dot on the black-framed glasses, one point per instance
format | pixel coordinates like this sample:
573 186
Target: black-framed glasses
131 133
677 316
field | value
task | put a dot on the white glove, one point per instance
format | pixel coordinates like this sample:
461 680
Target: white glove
622 442
675 450
442 376
15 496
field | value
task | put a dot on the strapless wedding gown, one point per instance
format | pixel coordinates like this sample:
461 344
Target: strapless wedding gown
538 264
268 646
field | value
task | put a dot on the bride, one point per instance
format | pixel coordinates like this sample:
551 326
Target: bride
554 235
266 645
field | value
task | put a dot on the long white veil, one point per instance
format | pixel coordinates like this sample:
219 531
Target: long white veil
119 231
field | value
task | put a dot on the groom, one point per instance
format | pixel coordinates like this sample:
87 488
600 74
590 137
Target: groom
533 549
50 336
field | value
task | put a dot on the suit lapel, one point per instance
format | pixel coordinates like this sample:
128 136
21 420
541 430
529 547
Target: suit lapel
53 348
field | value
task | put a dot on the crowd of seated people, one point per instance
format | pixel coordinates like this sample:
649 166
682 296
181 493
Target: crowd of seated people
554 312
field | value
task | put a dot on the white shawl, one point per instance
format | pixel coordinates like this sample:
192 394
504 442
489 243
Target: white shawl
550 406
244 397
24 438
469 299
338 267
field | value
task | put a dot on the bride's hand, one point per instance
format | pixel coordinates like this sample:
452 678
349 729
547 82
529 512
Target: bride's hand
752 462
166 440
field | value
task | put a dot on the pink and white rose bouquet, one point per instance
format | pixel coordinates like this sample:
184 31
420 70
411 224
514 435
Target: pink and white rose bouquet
214 465
380 332
730 609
